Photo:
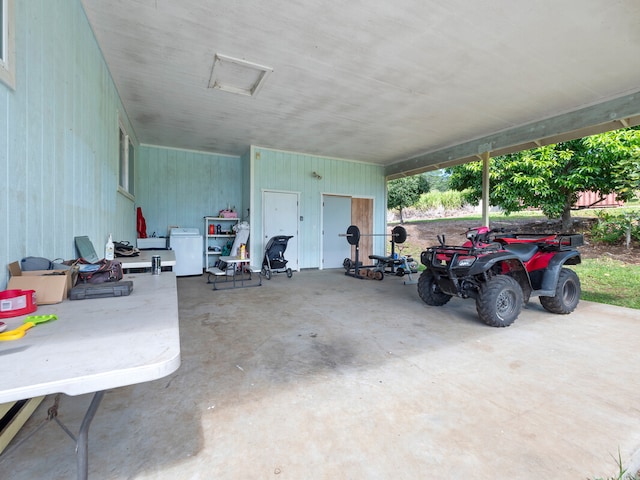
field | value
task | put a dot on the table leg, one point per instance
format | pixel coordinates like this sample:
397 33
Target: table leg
82 442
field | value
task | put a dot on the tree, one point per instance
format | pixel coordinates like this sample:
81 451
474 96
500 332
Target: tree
438 180
623 147
404 192
552 177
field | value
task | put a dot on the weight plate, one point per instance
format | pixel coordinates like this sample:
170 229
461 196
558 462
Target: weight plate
353 235
399 234
347 264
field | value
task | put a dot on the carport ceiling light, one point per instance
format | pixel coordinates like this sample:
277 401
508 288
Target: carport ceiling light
237 76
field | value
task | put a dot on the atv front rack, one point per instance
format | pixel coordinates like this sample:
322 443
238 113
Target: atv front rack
448 257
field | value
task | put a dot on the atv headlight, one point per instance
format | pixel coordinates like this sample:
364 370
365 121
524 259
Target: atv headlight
465 261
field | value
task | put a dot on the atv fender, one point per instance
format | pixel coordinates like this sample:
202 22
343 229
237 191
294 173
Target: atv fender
552 272
514 266
484 264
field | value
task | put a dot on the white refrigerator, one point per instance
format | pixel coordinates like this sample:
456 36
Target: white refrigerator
187 246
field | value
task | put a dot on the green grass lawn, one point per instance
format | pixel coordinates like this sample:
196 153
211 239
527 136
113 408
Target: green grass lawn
609 281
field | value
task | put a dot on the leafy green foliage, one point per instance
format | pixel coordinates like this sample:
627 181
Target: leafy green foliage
438 180
406 191
615 228
447 200
552 176
623 148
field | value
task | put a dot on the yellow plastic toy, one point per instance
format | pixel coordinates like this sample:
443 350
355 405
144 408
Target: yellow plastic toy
30 321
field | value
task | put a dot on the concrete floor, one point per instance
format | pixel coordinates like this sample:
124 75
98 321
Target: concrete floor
324 376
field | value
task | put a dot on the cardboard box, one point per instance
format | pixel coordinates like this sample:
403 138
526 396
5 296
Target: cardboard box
51 286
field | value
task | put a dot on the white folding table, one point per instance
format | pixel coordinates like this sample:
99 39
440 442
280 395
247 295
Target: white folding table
238 273
143 260
95 345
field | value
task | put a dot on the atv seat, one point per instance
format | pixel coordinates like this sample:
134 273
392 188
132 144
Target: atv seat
524 251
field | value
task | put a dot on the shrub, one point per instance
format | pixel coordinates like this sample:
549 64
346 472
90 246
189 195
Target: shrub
612 228
434 200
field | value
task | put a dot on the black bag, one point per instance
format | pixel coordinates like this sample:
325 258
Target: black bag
125 249
100 272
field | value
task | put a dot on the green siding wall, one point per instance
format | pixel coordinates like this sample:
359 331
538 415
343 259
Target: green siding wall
293 172
179 187
58 139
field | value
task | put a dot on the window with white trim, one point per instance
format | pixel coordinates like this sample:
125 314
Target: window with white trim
126 163
7 43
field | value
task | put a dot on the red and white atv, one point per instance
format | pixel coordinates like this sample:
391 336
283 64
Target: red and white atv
501 271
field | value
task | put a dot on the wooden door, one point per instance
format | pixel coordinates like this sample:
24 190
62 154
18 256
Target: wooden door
362 217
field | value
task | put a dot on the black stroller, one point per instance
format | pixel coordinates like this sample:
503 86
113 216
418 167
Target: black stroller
274 261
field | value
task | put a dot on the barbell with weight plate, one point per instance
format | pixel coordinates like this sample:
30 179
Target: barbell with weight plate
398 234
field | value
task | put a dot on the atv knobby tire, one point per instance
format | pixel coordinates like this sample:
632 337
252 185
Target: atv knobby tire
429 291
499 301
567 294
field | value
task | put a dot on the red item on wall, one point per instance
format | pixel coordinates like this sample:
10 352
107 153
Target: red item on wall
141 224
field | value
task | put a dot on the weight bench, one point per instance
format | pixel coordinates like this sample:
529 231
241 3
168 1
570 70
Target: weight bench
397 266
386 261
384 264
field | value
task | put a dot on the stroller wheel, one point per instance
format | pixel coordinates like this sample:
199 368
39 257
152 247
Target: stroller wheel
289 273
267 274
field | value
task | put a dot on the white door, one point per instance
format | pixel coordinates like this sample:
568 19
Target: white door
280 217
336 218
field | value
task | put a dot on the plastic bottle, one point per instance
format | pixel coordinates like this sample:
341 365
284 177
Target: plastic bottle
109 249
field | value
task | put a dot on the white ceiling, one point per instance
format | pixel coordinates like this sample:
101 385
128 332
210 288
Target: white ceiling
369 80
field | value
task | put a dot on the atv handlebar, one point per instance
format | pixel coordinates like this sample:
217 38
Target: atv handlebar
480 235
